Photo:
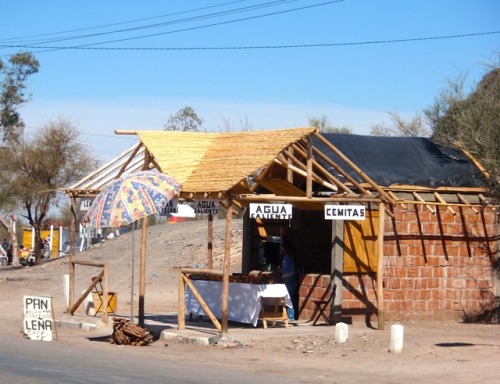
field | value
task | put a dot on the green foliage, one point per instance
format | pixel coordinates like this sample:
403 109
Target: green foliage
184 120
472 120
39 165
13 77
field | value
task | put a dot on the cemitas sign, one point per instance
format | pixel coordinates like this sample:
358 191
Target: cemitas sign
271 211
344 212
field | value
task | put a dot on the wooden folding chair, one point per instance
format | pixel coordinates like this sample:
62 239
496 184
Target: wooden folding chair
321 306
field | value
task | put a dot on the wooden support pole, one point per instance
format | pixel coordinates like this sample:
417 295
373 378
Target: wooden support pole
142 270
210 241
380 265
181 305
309 180
105 292
227 263
72 252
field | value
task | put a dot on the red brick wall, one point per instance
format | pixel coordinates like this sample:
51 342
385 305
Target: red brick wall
436 266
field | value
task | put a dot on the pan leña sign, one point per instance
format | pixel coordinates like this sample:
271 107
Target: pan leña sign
271 211
38 317
344 212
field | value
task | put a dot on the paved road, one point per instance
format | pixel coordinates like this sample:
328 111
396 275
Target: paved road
26 361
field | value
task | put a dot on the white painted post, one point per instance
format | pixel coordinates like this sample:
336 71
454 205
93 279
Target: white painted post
397 331
341 332
66 289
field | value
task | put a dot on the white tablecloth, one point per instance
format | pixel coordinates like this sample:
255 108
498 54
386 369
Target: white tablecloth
243 303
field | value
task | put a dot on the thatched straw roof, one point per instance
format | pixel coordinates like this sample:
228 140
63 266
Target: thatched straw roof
216 162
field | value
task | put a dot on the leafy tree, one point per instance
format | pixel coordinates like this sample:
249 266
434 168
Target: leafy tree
184 120
40 164
473 121
13 77
324 125
415 127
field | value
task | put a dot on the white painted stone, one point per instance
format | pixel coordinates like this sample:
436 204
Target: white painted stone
66 289
397 331
341 332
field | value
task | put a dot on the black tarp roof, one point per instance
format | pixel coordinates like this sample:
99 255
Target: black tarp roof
414 161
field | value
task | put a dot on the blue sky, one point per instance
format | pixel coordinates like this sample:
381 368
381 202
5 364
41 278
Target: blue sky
375 57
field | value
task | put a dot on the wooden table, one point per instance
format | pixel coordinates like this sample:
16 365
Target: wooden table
245 300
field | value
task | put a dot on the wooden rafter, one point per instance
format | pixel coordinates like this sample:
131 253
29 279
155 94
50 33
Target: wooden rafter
325 174
463 200
328 175
342 172
441 200
419 198
363 175
283 162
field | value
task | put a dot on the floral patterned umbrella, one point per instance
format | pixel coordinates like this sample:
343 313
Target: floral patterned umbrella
132 197
128 199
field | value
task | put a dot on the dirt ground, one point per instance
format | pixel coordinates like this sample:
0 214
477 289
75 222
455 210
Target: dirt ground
433 351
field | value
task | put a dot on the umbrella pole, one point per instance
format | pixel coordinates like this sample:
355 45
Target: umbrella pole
133 262
142 276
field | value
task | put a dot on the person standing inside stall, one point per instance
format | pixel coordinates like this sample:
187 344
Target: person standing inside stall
289 275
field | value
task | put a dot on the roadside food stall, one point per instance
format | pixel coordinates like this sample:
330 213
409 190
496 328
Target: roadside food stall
297 166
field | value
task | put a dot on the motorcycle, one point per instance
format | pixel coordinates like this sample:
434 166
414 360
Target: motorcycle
27 257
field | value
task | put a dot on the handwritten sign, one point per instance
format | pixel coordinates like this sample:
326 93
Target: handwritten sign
271 211
38 317
171 207
344 212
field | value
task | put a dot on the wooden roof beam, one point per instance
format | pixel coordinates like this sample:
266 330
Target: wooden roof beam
417 196
280 160
463 200
131 157
329 176
396 198
103 170
363 175
323 200
342 172
309 164
441 200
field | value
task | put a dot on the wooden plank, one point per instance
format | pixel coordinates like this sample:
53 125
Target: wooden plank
85 294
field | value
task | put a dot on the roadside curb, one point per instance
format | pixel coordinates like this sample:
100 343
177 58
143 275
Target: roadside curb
190 339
